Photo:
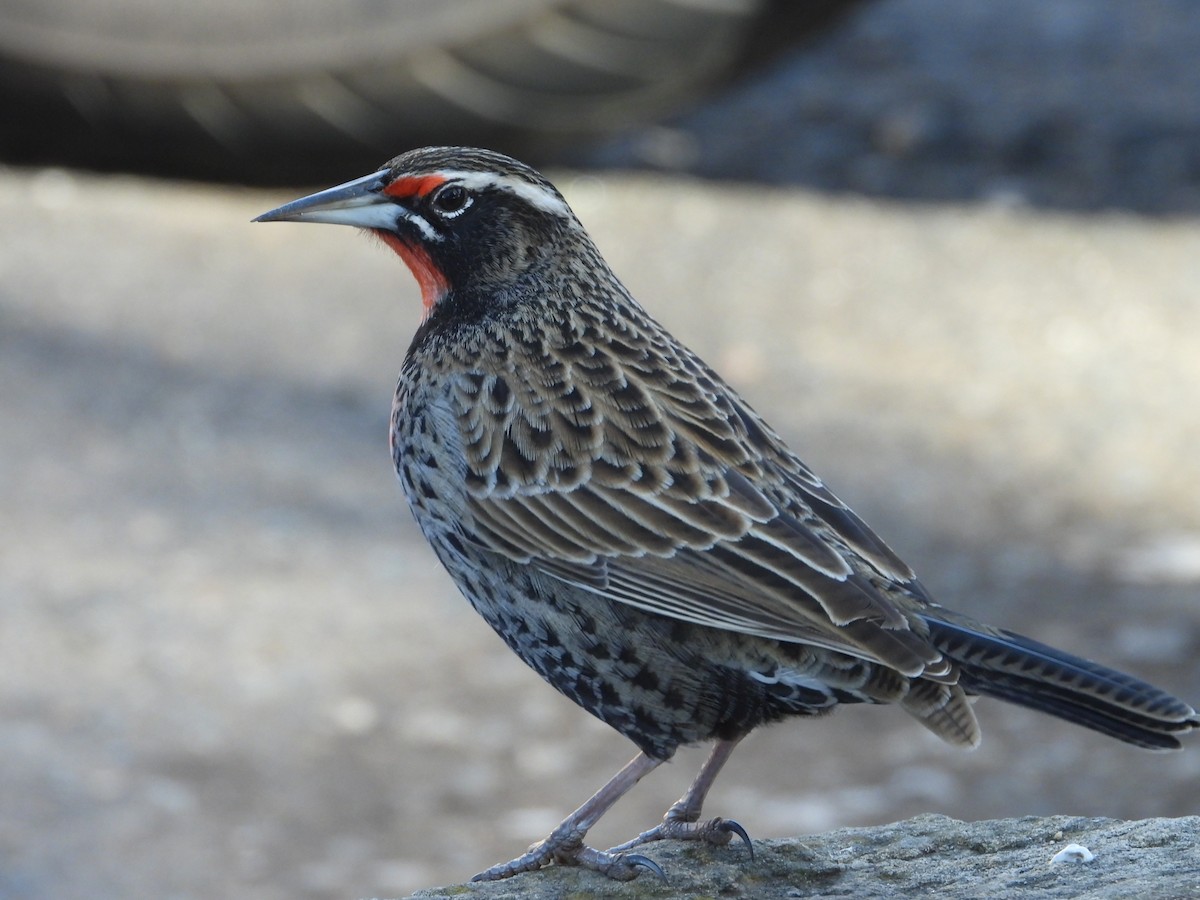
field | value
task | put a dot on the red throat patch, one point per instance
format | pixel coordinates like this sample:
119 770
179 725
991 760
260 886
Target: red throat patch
432 282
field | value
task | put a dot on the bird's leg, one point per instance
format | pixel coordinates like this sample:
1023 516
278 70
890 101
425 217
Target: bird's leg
565 843
682 821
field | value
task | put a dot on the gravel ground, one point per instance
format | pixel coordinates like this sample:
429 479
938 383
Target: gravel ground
232 668
1075 104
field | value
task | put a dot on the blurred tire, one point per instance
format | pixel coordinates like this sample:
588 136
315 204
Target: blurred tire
268 92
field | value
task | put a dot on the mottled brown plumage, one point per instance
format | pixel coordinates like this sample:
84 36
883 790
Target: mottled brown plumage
634 530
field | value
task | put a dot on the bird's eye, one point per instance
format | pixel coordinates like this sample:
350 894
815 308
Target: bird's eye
452 200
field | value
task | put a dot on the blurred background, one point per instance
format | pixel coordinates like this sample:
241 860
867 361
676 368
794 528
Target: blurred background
951 251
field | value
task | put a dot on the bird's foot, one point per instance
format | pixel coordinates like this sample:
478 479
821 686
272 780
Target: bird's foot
565 845
569 850
674 826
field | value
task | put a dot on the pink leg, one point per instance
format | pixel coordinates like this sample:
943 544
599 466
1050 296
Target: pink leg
565 843
682 821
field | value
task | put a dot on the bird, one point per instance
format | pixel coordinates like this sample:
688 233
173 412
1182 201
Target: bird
635 532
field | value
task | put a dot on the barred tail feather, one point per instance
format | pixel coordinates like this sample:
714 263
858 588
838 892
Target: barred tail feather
1020 670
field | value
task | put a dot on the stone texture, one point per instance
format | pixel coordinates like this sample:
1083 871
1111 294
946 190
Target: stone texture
1001 859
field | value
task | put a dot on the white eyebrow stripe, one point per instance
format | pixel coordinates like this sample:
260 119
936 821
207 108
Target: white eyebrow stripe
536 196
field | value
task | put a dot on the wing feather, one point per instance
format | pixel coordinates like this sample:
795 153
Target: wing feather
628 469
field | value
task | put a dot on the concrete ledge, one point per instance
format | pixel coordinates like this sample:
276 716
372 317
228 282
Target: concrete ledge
925 856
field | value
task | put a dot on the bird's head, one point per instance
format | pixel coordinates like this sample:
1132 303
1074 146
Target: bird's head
469 223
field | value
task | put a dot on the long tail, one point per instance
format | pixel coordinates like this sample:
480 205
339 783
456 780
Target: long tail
1020 670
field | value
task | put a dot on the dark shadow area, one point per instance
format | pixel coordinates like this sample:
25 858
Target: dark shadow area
1072 105
166 415
236 93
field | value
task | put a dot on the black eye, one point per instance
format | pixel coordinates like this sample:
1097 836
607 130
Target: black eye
451 200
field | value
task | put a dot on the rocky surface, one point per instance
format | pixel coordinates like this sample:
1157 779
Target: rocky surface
1002 859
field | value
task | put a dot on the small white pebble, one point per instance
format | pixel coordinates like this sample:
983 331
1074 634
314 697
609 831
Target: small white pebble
355 715
1073 853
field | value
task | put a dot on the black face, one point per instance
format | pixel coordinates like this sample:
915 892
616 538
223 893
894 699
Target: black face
480 239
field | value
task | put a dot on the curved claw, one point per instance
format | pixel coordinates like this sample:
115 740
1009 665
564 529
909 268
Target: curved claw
645 862
732 827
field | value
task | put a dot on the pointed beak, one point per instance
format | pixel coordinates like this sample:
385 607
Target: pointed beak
360 202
